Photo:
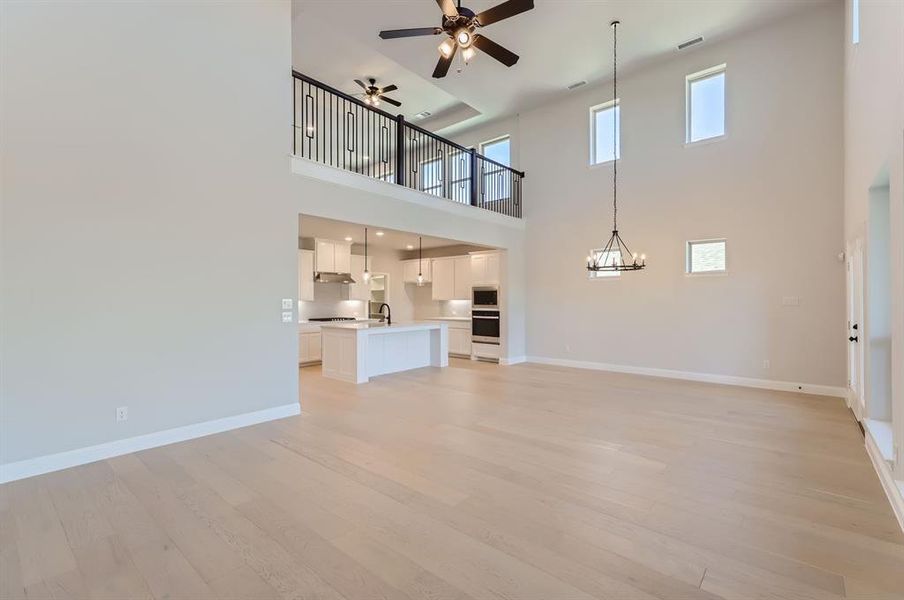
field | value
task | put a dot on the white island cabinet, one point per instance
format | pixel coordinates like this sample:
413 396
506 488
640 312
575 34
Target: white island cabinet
355 352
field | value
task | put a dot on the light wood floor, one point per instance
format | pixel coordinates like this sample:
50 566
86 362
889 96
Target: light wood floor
476 481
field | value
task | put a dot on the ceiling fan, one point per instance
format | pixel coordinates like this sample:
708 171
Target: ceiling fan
459 24
373 94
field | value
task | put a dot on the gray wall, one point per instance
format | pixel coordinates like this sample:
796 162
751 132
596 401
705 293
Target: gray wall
772 187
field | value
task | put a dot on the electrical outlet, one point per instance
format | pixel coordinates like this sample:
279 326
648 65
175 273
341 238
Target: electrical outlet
766 363
287 316
122 413
287 303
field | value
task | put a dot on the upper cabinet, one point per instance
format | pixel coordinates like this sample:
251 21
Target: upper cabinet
306 275
410 270
452 278
485 268
331 256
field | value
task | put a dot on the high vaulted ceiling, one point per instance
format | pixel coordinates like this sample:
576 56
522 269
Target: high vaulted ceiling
560 42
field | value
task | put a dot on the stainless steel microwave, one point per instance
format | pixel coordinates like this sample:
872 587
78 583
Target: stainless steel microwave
485 297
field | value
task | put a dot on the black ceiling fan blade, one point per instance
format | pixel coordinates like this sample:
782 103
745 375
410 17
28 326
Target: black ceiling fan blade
391 101
389 88
504 11
442 66
361 83
389 34
484 44
448 8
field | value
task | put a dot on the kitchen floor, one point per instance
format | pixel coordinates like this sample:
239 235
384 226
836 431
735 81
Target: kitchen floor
476 481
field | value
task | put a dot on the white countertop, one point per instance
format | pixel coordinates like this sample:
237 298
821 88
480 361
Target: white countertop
314 326
379 328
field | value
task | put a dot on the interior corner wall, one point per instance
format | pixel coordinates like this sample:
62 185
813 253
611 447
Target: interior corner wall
772 186
874 141
147 233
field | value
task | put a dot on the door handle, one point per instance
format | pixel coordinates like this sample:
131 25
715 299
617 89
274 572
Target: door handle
854 338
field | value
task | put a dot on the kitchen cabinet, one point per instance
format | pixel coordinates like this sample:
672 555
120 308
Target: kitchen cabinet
462 287
410 270
360 290
460 341
452 278
485 268
309 347
332 256
306 275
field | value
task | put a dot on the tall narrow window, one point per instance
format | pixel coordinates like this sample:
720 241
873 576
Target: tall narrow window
706 104
706 256
496 184
432 176
605 132
855 21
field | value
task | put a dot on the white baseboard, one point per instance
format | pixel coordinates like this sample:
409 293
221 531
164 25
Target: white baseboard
81 456
893 489
767 384
513 360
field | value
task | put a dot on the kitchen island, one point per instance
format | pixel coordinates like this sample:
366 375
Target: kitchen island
355 352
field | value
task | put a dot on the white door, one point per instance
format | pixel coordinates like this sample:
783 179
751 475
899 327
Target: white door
856 398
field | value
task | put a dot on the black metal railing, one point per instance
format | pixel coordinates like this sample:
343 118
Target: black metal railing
342 131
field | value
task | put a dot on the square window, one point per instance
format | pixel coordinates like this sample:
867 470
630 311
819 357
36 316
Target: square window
706 256
608 257
432 177
605 132
496 182
499 150
706 104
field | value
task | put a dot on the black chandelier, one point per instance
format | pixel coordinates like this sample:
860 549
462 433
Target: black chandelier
612 257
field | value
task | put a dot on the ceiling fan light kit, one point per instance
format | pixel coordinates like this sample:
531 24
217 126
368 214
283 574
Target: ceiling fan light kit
373 94
460 25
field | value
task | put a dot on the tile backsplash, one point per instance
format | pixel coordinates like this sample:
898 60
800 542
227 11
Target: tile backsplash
329 302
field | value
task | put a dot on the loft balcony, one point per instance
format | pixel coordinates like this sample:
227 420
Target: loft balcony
336 129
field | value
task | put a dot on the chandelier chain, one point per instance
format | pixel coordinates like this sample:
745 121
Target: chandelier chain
615 126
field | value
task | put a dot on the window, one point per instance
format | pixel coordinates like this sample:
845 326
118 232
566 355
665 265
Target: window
432 176
855 21
499 150
706 256
706 104
496 181
605 258
605 132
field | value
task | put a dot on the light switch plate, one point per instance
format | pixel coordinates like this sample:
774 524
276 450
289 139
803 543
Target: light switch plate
287 303
791 301
287 316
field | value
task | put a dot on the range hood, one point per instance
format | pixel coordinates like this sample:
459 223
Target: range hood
324 277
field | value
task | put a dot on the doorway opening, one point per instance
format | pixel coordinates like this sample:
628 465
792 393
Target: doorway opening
878 325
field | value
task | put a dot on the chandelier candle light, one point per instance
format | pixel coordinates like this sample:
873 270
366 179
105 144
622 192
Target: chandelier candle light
612 256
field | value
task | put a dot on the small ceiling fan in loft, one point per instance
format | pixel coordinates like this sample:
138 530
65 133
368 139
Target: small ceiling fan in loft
373 95
460 25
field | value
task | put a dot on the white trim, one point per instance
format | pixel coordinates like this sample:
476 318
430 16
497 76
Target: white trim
81 456
513 360
766 384
894 490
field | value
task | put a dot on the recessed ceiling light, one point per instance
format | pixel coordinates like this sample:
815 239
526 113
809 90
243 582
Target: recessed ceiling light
348 238
409 247
380 233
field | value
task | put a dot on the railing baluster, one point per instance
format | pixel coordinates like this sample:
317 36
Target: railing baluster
334 128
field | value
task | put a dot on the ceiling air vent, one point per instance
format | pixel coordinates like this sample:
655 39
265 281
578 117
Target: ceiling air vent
423 114
576 85
690 43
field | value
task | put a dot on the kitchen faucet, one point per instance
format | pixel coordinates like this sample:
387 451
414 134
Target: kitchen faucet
388 313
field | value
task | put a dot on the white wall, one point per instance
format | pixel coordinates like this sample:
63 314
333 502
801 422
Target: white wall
146 235
874 142
772 187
